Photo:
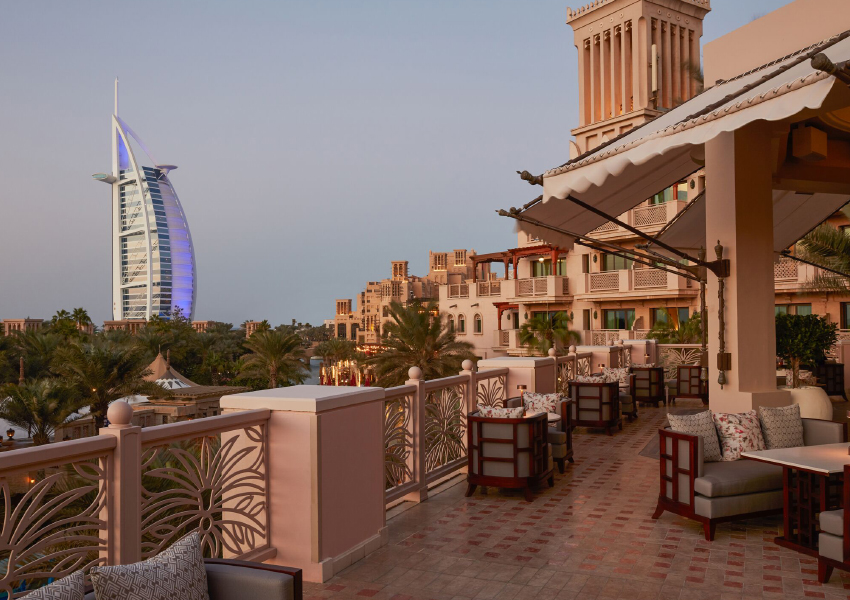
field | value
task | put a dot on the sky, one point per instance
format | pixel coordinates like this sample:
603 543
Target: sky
317 141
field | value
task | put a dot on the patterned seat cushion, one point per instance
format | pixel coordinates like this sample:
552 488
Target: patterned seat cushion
535 402
700 424
494 412
72 587
642 365
174 573
616 375
782 426
589 379
739 432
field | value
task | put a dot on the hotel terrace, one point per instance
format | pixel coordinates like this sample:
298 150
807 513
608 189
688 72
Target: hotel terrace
361 488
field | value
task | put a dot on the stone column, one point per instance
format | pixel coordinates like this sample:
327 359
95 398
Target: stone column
739 214
325 474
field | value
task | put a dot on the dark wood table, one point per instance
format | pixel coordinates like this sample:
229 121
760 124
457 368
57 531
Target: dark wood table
812 480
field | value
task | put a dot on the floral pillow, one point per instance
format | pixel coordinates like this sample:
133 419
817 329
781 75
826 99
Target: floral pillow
738 432
643 365
590 379
616 375
541 402
494 412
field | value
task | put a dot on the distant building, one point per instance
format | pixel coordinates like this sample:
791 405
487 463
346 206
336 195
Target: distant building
130 325
153 260
365 322
251 327
10 326
201 326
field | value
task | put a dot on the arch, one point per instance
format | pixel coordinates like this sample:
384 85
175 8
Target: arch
477 324
461 324
450 323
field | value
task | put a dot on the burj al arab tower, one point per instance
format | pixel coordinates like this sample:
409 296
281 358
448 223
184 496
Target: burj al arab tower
153 260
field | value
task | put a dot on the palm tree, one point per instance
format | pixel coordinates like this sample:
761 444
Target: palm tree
336 350
275 356
37 349
103 372
688 332
81 317
828 247
417 336
543 331
39 406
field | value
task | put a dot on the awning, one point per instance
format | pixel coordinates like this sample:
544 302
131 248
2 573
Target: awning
622 174
794 215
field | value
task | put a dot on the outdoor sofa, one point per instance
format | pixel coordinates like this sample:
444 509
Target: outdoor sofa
715 492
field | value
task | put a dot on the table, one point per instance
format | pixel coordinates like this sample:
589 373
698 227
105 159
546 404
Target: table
812 479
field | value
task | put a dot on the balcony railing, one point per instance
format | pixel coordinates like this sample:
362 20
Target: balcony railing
542 286
785 269
489 288
670 356
644 216
649 278
76 504
459 290
605 281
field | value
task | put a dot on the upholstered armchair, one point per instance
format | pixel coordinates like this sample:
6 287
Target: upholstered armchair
508 453
228 579
647 385
689 385
596 405
560 434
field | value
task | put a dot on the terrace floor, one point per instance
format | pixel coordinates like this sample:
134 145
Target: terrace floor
591 536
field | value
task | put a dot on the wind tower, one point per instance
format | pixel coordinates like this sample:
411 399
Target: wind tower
636 59
153 260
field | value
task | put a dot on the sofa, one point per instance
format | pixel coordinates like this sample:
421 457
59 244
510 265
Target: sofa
560 434
834 536
715 492
506 452
229 579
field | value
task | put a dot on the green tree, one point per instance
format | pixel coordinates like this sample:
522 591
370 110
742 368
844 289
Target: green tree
544 331
335 350
274 356
81 317
828 247
37 348
417 336
39 406
102 372
688 332
803 339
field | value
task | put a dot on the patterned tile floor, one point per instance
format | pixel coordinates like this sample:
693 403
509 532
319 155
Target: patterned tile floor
591 536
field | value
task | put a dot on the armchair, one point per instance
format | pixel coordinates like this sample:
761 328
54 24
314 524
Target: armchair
689 385
508 453
834 537
596 405
647 385
560 434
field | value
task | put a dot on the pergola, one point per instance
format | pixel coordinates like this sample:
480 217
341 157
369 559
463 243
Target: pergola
512 256
775 144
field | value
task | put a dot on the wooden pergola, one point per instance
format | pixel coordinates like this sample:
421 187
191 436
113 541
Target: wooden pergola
512 256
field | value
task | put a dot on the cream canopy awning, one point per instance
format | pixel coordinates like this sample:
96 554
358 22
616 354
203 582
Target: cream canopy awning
622 174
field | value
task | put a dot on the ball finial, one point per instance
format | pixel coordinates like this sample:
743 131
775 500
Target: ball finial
572 349
120 414
467 365
619 342
414 373
552 352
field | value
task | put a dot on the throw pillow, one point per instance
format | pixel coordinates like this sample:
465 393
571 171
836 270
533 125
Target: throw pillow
494 412
805 377
700 424
642 365
541 402
782 426
616 375
72 587
174 573
590 379
739 432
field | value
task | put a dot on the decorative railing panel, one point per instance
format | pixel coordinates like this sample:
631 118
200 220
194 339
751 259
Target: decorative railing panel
607 226
213 481
670 356
565 286
490 390
607 280
489 288
785 269
566 372
525 287
504 338
445 426
583 364
53 513
601 337
650 278
459 290
650 215
398 439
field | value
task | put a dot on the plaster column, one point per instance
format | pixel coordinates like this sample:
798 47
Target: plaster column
325 474
739 214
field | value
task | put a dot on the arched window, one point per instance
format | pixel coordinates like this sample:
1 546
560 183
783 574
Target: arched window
451 324
461 324
478 324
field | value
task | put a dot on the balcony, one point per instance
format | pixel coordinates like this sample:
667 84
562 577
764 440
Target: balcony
549 289
649 219
634 281
791 275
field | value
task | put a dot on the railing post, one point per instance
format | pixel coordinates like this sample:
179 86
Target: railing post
124 491
417 411
471 394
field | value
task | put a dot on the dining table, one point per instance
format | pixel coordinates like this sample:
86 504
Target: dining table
812 481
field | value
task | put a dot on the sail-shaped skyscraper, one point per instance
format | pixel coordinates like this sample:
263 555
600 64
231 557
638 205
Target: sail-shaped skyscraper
153 260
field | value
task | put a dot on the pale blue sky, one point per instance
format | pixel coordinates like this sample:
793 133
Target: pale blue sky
317 141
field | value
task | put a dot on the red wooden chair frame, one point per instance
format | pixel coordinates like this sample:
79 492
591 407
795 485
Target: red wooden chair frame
577 396
826 565
647 385
537 453
689 384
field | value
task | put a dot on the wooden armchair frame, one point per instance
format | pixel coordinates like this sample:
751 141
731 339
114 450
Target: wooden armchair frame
565 426
595 391
537 453
689 384
826 565
647 385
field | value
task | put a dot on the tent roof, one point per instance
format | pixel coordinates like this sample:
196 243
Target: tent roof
623 173
160 369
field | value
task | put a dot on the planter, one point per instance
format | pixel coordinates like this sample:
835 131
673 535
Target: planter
813 401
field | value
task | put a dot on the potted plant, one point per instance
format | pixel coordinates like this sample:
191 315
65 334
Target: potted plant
805 339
